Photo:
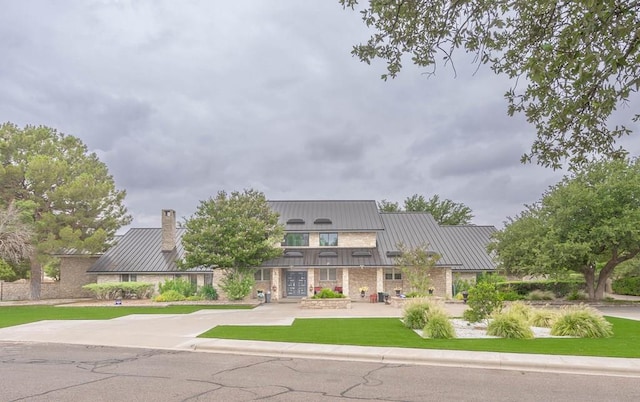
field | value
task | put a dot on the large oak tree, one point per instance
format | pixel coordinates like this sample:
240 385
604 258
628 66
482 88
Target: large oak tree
67 192
588 223
572 63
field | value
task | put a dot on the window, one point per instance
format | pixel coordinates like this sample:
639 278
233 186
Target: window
296 239
327 274
328 239
194 281
261 275
391 274
208 279
128 278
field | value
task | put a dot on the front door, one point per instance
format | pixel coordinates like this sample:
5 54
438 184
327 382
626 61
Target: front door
296 283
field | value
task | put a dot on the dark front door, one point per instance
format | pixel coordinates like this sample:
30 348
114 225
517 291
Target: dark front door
296 283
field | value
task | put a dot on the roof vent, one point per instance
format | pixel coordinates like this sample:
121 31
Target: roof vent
322 221
361 254
295 221
328 254
293 254
394 253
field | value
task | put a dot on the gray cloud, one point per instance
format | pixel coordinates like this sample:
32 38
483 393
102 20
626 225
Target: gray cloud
183 100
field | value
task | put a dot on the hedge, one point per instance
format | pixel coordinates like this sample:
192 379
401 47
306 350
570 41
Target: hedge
126 290
560 288
627 286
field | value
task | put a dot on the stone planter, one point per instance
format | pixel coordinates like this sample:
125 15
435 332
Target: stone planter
343 303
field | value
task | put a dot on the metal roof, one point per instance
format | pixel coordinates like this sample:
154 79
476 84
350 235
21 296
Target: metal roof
413 229
138 251
353 216
461 247
469 244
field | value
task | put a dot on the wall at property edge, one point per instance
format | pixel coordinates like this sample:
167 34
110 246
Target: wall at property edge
73 275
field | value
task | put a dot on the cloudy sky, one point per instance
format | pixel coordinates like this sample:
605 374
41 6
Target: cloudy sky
183 99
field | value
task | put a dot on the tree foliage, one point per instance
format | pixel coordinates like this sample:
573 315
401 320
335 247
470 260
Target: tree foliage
239 230
416 265
67 192
587 223
445 212
572 63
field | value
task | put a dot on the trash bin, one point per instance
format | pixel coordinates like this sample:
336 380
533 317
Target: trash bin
380 297
268 297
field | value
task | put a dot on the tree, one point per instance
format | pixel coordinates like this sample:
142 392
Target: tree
236 232
67 192
388 206
580 61
15 235
445 212
587 223
416 265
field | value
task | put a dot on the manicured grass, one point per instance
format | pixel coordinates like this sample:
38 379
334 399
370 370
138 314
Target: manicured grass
17 315
391 332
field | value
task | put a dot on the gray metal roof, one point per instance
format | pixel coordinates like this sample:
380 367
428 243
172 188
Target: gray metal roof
469 244
413 229
353 216
326 257
138 251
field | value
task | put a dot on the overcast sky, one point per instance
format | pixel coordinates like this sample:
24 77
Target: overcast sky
182 99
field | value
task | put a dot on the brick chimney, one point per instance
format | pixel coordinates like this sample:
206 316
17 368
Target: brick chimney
168 230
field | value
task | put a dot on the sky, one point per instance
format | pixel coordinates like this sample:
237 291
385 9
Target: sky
184 99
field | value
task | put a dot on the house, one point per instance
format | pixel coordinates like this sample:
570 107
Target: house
342 245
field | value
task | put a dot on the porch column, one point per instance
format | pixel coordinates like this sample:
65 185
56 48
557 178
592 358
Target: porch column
310 281
448 279
345 281
379 280
275 282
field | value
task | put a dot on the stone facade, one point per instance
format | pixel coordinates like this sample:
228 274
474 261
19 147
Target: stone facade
307 303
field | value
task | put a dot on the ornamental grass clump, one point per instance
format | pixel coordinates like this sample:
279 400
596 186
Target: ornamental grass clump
509 325
416 314
438 325
520 309
544 318
582 322
540 295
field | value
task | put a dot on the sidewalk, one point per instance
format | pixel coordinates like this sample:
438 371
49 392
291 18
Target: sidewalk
179 332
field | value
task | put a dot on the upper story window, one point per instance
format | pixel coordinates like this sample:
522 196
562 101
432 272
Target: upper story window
328 239
296 239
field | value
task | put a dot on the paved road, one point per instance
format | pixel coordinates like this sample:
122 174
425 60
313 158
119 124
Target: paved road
179 332
56 372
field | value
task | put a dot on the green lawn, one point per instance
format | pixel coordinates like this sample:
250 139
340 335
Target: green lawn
16 315
391 332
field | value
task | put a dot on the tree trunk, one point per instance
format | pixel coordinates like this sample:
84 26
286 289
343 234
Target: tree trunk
589 273
36 277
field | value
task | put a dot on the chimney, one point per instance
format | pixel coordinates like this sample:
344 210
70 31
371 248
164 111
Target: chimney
168 230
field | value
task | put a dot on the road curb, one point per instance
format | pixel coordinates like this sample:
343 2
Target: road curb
584 365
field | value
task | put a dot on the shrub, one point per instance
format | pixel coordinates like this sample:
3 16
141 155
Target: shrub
544 318
326 293
577 295
483 300
170 296
582 322
413 295
511 295
237 285
627 286
415 314
6 273
540 295
560 288
180 285
509 325
126 290
439 326
208 292
195 298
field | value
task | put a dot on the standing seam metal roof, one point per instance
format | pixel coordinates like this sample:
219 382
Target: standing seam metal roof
353 216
